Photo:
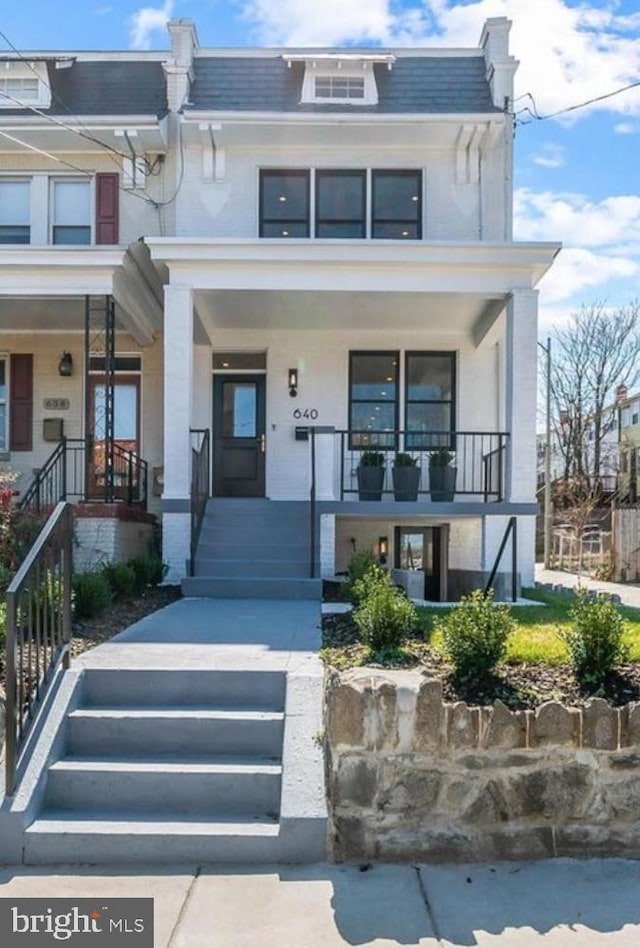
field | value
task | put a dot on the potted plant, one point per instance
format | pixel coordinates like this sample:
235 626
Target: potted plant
406 477
371 475
442 475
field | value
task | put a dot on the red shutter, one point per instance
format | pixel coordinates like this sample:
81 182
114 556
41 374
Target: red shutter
21 403
107 199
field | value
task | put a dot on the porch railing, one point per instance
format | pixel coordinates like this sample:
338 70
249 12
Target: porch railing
200 481
478 456
38 630
79 469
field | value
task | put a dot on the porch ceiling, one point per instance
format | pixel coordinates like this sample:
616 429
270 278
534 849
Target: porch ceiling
456 313
52 314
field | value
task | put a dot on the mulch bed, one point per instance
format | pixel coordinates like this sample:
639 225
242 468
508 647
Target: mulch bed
519 685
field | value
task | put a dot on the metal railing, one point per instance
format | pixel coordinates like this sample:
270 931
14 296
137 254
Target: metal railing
511 530
200 481
38 630
312 507
479 459
79 469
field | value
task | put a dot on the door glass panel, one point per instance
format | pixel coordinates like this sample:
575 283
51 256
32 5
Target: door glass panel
125 412
411 550
239 415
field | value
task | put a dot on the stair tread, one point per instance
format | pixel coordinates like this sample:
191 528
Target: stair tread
218 764
62 821
198 713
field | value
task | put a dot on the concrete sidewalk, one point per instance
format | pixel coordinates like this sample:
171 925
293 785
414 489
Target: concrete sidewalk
555 904
629 593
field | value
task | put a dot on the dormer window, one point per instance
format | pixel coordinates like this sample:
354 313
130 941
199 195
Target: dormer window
24 84
340 78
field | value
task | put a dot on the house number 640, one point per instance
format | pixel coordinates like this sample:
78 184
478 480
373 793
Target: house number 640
311 413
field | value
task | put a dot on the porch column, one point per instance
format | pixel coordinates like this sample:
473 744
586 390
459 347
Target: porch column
521 394
325 463
178 400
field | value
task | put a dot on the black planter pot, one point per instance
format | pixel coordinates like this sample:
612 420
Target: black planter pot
442 483
370 482
406 481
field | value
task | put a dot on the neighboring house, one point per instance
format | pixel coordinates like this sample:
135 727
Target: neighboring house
607 475
628 434
334 225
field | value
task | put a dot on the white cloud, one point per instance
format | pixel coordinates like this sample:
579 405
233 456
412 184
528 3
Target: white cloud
625 128
147 21
577 270
576 220
550 156
567 54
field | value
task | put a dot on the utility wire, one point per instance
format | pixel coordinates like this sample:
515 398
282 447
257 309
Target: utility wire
40 151
571 108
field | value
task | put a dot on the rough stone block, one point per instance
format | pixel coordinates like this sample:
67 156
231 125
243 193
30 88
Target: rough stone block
355 782
350 841
385 735
553 723
408 790
424 843
622 798
552 793
599 725
463 725
632 730
486 805
624 760
583 839
505 728
516 843
428 729
347 707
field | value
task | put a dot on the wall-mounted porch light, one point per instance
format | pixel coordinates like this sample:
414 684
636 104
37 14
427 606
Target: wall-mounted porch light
293 382
65 365
383 549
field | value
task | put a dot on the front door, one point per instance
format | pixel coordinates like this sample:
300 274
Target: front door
424 549
126 434
238 435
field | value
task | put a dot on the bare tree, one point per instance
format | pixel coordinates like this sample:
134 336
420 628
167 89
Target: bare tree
595 353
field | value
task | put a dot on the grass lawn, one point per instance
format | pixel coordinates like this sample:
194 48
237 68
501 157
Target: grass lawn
536 637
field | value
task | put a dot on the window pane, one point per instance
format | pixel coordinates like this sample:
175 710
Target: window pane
396 196
288 229
285 195
339 87
373 376
14 202
340 196
239 410
429 417
411 552
392 231
72 203
125 409
14 234
239 360
373 417
348 231
429 377
72 235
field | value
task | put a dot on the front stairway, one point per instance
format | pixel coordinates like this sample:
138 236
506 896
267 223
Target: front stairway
252 548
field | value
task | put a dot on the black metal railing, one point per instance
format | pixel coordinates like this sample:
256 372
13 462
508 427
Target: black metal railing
200 481
478 458
38 630
510 531
81 469
312 506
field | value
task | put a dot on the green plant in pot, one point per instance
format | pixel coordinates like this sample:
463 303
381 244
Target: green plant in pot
371 475
406 477
442 475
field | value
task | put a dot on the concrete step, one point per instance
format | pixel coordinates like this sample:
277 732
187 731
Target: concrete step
191 733
250 534
281 569
184 688
225 548
227 587
58 837
254 504
239 786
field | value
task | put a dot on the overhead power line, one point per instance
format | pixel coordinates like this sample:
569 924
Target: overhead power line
536 116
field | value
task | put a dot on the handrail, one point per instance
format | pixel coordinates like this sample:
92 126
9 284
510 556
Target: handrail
312 507
50 482
38 630
200 480
512 528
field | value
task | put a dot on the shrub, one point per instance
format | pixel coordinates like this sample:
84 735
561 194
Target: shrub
384 616
121 578
595 638
359 564
475 635
91 594
148 570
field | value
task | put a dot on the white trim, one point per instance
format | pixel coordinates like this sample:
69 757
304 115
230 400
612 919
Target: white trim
5 357
21 70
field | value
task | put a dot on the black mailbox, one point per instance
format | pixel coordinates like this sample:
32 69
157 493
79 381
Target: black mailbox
302 434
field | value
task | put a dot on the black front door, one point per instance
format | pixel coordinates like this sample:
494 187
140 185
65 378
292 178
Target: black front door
238 435
424 549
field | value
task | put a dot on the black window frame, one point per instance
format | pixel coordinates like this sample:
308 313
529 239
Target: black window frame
375 220
353 445
447 440
362 221
288 172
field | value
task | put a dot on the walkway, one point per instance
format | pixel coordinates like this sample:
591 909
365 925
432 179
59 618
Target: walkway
629 594
553 904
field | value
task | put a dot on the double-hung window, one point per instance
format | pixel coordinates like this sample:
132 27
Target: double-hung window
396 205
71 212
15 203
373 399
430 385
341 204
284 203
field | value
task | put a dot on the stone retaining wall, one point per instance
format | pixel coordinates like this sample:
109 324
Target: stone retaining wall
411 777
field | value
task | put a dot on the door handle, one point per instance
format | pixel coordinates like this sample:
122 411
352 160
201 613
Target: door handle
262 443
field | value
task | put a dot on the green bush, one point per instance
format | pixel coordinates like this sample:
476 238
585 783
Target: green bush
384 616
359 564
475 635
148 570
595 638
91 594
121 578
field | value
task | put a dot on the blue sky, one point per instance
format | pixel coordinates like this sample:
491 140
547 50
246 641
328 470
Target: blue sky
577 176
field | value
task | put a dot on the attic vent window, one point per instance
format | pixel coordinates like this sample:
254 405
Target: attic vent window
339 87
27 90
23 85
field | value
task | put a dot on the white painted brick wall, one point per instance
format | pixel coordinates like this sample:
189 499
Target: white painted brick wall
327 545
176 541
100 541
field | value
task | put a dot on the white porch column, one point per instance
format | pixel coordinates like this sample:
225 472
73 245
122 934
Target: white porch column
178 401
521 394
325 463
